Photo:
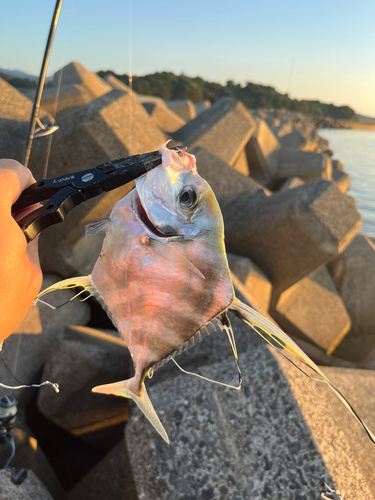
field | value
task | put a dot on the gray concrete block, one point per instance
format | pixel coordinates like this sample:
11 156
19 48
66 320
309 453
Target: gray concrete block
292 183
162 116
252 278
354 274
257 442
184 108
337 434
307 165
262 151
25 351
30 488
291 233
294 139
225 182
80 358
110 479
281 127
113 126
223 130
74 86
337 165
241 164
268 160
342 180
15 112
115 83
352 201
313 310
358 386
202 106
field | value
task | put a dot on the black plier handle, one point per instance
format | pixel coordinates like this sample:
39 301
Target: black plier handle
62 194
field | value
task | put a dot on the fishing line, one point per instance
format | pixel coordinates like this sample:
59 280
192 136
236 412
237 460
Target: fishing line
47 382
53 114
130 62
17 354
46 164
23 386
10 371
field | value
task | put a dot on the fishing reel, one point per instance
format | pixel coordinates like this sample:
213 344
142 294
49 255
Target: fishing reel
8 412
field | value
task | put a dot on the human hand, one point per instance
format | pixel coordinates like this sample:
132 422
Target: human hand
20 273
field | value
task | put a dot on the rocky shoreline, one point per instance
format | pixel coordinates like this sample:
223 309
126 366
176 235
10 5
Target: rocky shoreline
295 254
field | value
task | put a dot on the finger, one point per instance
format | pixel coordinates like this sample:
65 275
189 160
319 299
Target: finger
14 178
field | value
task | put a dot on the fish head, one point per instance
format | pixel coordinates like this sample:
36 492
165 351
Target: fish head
176 201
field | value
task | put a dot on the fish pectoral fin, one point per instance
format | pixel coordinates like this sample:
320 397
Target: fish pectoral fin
143 401
276 337
99 226
168 253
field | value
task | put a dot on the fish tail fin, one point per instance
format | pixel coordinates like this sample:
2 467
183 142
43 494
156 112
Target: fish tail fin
82 281
124 389
274 336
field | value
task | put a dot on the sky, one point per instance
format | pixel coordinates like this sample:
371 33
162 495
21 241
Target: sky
321 49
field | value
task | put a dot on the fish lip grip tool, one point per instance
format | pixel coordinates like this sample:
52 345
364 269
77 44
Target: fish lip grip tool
61 194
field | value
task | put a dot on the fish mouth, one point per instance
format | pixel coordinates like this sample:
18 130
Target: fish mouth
141 214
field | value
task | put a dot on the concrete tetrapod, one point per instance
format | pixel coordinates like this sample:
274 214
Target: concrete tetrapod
163 117
74 86
15 112
293 232
184 108
268 160
354 274
224 130
313 309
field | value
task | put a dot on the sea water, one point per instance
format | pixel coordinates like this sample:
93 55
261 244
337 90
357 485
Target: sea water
356 151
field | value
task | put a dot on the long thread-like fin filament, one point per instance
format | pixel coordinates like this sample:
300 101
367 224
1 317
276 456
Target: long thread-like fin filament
238 387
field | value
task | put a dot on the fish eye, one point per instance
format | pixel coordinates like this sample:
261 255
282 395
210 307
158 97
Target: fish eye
188 198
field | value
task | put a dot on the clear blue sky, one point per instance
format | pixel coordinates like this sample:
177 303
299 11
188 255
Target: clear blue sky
322 49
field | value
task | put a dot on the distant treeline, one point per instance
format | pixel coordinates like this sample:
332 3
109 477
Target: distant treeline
170 86
18 82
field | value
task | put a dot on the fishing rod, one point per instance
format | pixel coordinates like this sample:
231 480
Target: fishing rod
36 107
8 403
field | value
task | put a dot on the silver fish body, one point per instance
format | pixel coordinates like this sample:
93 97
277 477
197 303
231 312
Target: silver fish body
163 275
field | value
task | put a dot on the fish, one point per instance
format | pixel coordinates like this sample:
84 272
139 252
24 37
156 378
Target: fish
163 278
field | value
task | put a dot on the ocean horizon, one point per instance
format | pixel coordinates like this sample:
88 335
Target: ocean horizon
355 149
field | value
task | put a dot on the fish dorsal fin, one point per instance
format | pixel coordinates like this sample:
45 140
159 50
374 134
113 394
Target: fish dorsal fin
276 337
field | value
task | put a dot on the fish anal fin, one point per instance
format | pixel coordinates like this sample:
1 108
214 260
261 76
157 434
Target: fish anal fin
141 398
